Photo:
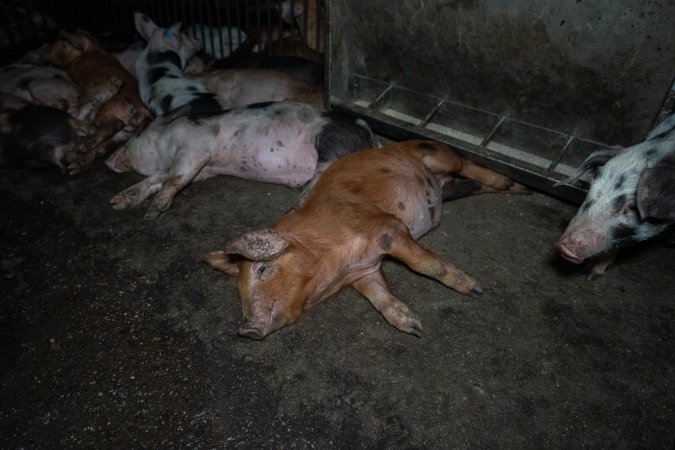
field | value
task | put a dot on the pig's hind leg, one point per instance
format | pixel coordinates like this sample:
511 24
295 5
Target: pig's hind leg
138 192
374 287
400 244
186 167
490 180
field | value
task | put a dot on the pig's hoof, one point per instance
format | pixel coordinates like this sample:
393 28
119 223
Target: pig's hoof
475 291
74 168
152 213
120 201
415 327
518 188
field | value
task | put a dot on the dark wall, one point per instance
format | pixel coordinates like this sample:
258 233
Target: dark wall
599 69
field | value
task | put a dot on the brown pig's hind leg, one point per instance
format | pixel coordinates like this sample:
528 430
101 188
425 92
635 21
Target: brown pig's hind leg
403 247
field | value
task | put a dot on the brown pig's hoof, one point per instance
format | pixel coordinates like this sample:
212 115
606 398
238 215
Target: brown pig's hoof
416 328
518 188
475 291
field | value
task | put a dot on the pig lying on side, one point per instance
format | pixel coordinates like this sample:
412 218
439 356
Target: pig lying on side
366 206
46 86
631 198
159 70
91 67
285 143
37 136
240 87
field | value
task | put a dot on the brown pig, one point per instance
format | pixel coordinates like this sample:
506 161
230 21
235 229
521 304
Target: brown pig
91 67
240 87
365 206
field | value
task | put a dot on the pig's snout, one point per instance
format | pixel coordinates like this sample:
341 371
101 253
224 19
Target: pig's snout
566 253
251 331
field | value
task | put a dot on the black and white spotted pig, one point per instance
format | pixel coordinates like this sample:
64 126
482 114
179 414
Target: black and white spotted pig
631 198
284 142
159 70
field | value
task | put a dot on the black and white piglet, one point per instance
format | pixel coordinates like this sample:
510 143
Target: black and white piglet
159 70
631 198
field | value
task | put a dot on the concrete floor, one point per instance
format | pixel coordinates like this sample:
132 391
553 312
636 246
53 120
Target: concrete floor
114 335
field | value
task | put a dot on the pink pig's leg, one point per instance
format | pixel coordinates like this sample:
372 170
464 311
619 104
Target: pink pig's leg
374 287
138 192
185 168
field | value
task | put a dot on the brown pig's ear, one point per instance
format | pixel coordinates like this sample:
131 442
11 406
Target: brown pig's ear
221 261
655 197
258 245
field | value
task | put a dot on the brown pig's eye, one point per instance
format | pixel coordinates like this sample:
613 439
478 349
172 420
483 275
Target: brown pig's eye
261 270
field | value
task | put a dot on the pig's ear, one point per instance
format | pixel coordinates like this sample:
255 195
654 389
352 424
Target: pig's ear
258 245
144 25
221 261
655 197
171 36
77 41
594 161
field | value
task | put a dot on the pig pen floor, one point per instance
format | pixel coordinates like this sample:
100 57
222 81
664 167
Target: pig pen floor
114 335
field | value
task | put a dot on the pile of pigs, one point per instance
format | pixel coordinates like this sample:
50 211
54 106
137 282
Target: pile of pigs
71 101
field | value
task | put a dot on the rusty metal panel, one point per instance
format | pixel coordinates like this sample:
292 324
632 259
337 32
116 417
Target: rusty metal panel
530 87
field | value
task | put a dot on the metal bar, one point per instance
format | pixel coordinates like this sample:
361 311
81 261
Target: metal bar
493 131
563 152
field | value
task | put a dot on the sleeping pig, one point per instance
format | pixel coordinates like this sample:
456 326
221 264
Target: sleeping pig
41 85
365 206
285 143
38 136
631 198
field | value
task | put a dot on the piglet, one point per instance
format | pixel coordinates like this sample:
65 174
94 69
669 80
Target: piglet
631 198
41 85
365 206
91 67
240 87
37 136
285 143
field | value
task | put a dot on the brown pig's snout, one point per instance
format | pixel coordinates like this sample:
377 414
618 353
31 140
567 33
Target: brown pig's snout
252 331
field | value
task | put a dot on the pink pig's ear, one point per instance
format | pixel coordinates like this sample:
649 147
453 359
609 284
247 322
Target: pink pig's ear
144 25
258 245
221 261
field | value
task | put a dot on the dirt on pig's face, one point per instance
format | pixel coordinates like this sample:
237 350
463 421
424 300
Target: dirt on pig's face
273 293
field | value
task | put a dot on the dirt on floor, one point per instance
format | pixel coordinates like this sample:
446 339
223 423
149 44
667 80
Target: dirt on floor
115 335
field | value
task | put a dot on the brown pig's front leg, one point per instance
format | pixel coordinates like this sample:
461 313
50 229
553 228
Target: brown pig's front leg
185 168
374 287
400 245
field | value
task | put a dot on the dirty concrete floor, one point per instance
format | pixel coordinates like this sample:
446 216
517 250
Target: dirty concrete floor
114 335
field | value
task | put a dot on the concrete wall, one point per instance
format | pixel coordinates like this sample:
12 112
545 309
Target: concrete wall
598 69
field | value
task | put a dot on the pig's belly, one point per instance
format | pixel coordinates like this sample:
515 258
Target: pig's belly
281 158
419 208
422 218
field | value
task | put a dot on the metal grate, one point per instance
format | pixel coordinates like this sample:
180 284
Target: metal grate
535 155
27 24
